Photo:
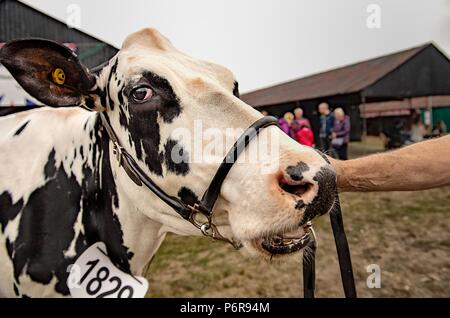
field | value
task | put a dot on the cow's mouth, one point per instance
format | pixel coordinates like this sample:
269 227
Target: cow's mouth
287 242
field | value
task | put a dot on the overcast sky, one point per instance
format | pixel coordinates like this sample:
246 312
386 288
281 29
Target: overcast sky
268 41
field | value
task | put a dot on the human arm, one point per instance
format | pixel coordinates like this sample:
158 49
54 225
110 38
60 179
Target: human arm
420 166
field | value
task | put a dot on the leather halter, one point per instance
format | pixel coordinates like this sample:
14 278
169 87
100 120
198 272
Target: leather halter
204 208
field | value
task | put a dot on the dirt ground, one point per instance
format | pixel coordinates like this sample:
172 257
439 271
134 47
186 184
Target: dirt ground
406 233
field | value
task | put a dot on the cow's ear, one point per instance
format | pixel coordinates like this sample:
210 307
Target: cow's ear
50 72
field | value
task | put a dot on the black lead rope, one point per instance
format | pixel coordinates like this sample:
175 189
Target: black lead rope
343 253
309 269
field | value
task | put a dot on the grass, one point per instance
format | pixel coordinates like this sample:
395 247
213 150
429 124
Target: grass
406 233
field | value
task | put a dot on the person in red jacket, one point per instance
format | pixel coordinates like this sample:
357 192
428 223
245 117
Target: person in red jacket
304 135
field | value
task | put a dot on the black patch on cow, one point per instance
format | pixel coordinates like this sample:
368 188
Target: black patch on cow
296 172
176 158
9 247
102 94
142 124
326 180
112 71
187 196
81 152
90 103
21 128
8 210
120 94
236 89
100 198
46 228
300 204
16 290
50 166
122 118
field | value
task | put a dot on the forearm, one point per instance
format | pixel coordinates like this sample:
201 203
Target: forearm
420 166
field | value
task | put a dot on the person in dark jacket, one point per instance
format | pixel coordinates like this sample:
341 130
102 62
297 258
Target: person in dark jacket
340 136
326 127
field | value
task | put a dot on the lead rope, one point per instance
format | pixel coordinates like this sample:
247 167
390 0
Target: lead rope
343 253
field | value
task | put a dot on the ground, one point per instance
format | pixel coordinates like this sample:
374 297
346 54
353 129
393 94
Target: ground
406 233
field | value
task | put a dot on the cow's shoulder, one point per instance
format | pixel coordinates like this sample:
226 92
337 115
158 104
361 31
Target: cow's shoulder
48 156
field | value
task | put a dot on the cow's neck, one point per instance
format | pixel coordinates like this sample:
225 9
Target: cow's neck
131 237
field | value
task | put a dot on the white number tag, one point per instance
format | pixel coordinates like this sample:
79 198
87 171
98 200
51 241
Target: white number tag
94 276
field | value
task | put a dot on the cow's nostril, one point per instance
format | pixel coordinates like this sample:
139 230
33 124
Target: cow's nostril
297 189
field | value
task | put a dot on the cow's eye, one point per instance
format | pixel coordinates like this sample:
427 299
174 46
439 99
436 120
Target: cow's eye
141 94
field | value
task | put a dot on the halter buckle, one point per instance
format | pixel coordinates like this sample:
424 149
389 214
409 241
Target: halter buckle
208 228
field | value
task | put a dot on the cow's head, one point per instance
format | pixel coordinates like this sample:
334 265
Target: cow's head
167 108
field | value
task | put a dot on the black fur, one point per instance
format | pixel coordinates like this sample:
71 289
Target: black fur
326 180
143 126
21 128
176 158
296 172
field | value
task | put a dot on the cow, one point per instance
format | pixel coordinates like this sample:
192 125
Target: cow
61 190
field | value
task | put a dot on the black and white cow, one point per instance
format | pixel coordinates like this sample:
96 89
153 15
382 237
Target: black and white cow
61 191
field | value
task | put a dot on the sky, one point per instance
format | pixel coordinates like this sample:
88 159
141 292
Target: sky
265 42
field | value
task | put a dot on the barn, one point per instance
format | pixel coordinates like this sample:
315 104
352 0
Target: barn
18 20
373 93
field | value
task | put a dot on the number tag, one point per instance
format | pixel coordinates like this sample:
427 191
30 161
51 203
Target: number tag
94 276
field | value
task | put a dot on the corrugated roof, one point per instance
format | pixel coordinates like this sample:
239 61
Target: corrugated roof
345 80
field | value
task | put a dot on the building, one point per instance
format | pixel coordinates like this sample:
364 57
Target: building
373 93
18 20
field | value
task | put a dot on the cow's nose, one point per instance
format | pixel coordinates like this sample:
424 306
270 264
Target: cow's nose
314 191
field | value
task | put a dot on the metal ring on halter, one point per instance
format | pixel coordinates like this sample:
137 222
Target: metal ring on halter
198 224
205 227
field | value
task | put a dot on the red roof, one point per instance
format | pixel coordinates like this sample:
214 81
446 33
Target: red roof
344 80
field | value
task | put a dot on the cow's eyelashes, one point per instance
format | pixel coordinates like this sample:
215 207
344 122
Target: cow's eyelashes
141 94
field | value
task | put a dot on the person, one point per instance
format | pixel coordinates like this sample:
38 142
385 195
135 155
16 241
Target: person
304 135
439 129
420 166
394 135
340 135
326 125
285 123
298 114
264 113
417 130
443 127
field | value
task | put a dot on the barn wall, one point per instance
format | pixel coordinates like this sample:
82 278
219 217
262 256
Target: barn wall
438 114
427 73
18 20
